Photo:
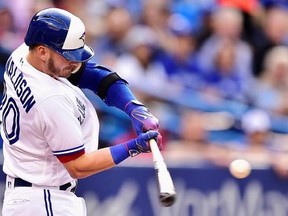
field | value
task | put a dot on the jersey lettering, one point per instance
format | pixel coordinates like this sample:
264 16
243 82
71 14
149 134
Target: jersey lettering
20 85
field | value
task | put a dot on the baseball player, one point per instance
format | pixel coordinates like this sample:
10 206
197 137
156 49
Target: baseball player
49 128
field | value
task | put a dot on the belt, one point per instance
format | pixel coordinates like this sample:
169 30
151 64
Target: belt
70 186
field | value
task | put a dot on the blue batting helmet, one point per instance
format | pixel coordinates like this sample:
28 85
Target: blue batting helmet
61 31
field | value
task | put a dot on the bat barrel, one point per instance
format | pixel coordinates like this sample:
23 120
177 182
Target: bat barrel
167 192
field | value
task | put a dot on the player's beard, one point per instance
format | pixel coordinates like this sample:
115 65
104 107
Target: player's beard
57 72
52 68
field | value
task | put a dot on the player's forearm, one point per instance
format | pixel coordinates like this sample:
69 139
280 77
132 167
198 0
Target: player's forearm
102 159
90 163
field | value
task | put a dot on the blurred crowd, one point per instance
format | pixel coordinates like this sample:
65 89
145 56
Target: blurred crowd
215 72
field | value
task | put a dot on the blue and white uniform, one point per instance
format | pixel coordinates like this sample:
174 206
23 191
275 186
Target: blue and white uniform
42 117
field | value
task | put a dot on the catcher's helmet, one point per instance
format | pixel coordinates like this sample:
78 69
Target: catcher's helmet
61 31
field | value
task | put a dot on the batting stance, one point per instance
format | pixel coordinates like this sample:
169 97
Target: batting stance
49 128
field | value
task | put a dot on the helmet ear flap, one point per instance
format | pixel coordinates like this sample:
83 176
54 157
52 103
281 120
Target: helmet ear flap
60 31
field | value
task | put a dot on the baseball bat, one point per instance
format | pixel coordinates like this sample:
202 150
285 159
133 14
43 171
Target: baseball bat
167 193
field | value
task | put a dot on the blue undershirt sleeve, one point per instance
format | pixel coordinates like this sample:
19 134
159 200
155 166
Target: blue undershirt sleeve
119 95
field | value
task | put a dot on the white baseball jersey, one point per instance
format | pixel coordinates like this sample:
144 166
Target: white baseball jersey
44 121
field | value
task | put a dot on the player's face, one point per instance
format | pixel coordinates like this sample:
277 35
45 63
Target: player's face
58 66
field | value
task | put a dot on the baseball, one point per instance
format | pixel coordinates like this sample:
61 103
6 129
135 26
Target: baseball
240 168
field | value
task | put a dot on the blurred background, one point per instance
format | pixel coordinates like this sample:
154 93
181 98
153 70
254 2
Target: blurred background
215 73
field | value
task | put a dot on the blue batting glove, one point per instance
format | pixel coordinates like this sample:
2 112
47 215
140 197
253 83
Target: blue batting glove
142 120
141 143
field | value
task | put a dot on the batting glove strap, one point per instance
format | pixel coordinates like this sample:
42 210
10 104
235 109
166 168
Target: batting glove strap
132 149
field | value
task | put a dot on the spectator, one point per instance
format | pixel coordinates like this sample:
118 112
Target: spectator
255 144
194 11
20 13
272 32
224 80
191 141
9 38
257 140
138 65
110 45
271 88
155 14
252 12
181 61
227 25
260 146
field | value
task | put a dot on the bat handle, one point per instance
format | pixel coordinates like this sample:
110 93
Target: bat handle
155 151
158 159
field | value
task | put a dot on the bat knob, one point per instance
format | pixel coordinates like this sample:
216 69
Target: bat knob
167 199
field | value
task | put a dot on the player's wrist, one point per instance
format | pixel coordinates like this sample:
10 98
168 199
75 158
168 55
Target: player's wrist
122 151
119 153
